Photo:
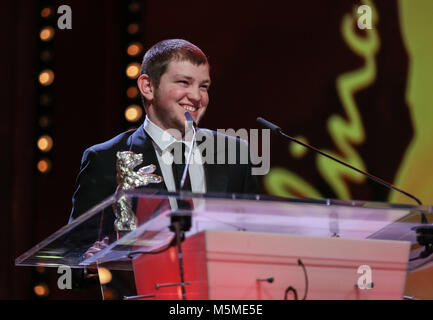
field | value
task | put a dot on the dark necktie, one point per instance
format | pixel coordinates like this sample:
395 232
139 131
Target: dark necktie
178 167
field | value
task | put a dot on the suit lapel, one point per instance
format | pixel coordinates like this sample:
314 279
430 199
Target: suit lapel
140 142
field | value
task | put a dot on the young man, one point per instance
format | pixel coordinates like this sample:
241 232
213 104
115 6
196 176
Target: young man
174 79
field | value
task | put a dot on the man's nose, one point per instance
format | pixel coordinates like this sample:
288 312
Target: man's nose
194 94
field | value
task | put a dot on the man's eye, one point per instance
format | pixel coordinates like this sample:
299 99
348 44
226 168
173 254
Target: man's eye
183 82
205 87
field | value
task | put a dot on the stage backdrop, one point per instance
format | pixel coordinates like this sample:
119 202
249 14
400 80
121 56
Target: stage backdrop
361 95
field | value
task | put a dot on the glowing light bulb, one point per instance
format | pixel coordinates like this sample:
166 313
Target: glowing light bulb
132 92
134 49
133 113
133 70
45 143
47 33
41 290
133 28
46 12
44 165
46 77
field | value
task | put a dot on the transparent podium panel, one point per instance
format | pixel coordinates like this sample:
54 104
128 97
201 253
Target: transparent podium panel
135 223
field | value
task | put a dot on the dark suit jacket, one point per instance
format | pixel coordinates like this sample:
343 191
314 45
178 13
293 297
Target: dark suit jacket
97 178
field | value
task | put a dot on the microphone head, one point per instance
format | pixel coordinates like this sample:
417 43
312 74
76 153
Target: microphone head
274 128
189 119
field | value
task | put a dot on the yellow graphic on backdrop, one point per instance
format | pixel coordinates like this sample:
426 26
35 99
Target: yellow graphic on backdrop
347 131
415 173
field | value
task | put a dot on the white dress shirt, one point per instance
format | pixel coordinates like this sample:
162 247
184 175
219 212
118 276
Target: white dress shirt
161 143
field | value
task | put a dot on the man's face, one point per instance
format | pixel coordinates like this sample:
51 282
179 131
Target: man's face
183 87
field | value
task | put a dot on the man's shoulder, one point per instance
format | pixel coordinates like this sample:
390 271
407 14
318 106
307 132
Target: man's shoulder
114 144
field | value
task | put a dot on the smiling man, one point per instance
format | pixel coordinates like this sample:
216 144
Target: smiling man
183 86
174 79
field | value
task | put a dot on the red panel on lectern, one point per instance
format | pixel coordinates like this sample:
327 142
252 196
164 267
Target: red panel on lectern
152 270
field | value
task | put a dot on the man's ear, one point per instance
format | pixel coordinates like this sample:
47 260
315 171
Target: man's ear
145 86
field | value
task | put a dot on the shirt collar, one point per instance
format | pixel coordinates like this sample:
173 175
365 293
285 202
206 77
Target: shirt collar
162 139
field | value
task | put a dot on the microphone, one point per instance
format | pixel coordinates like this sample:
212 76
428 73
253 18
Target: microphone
277 130
190 121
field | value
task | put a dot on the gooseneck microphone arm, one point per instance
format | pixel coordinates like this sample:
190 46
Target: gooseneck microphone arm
277 130
191 121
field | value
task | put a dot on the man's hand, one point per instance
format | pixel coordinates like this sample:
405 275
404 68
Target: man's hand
92 272
96 247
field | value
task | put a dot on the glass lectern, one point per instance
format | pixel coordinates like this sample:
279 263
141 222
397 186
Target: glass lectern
242 247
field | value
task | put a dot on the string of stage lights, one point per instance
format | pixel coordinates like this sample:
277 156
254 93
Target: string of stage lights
44 111
133 111
46 77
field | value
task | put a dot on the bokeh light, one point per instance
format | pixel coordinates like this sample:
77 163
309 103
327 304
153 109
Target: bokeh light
44 122
45 143
41 290
46 12
134 49
47 33
46 77
133 70
133 113
44 165
133 28
134 7
132 92
105 276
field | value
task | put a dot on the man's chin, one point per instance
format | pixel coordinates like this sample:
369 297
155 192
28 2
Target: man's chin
198 117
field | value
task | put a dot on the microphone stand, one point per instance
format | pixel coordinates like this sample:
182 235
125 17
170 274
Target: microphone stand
424 231
180 223
368 175
277 130
181 219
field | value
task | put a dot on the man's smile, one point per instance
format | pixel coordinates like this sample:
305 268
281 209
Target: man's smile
188 107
